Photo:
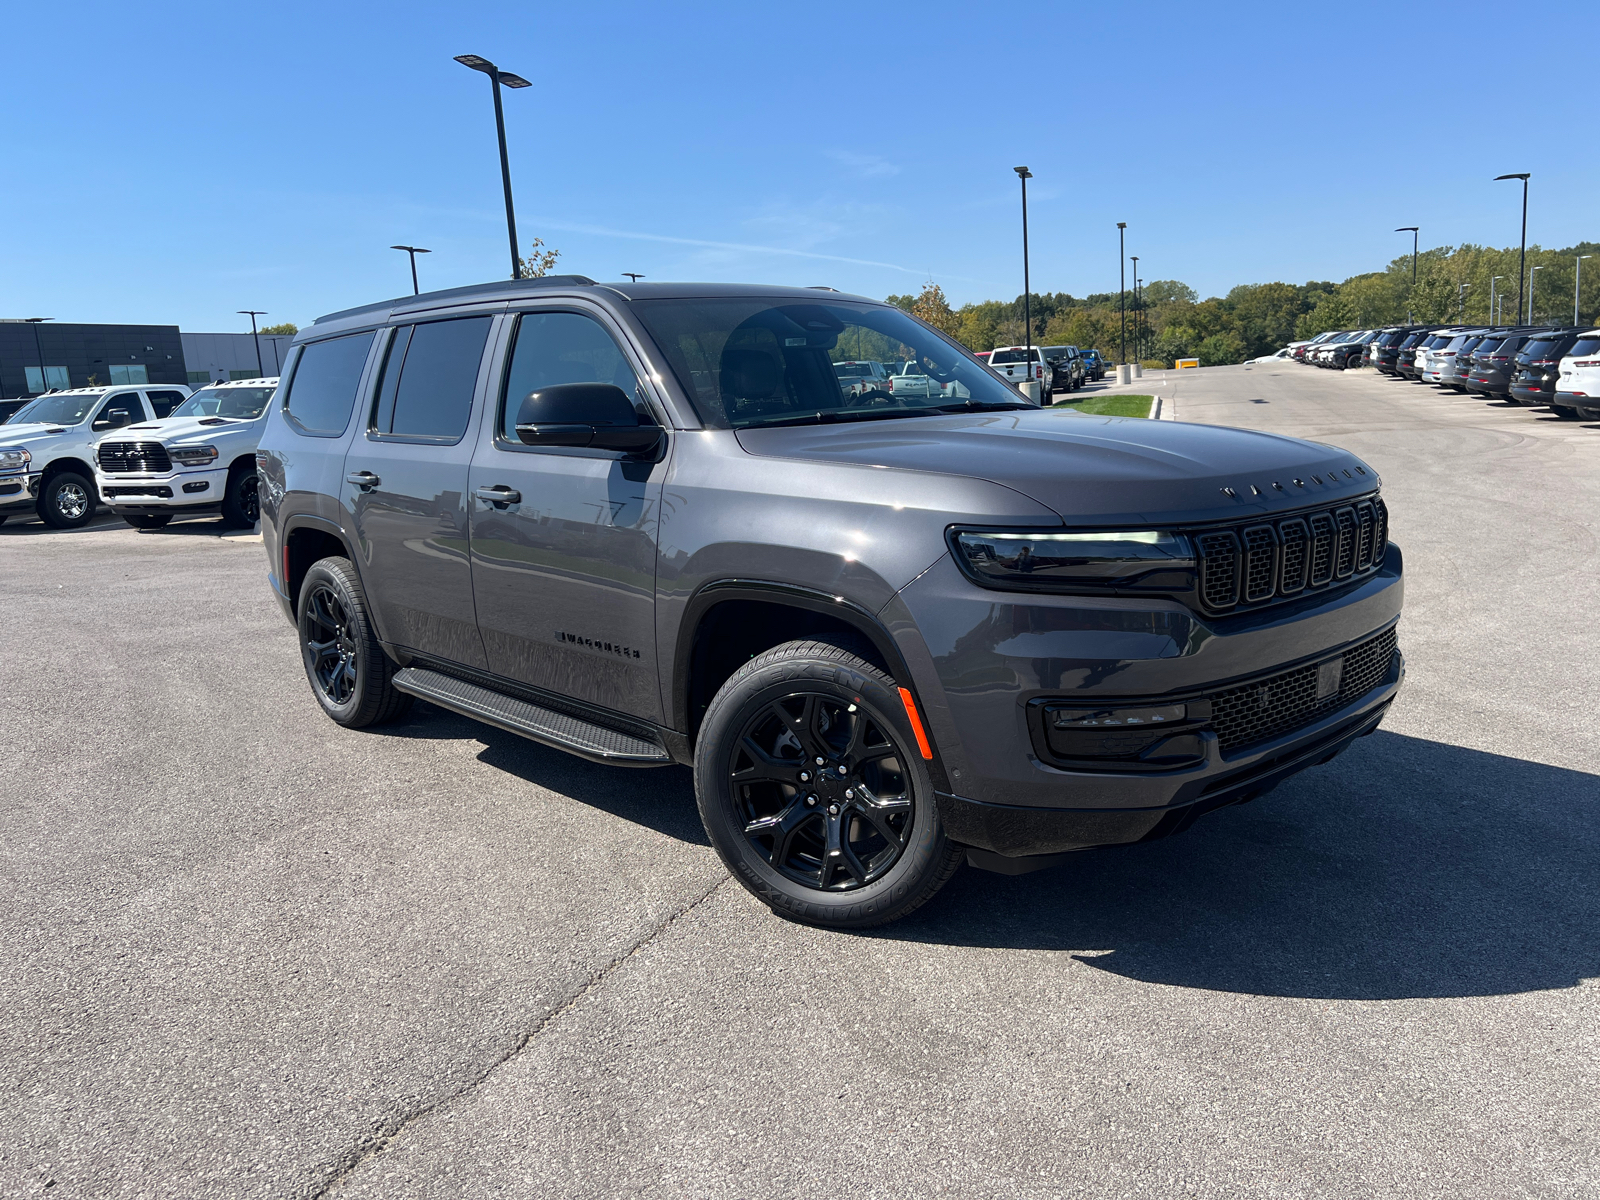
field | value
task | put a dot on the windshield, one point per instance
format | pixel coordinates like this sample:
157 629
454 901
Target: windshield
853 370
1537 349
747 361
1487 346
244 404
1584 347
1001 358
67 409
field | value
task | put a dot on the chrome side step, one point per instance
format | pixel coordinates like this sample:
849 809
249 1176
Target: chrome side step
564 732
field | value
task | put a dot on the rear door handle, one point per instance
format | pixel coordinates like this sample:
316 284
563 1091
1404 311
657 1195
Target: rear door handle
365 480
498 494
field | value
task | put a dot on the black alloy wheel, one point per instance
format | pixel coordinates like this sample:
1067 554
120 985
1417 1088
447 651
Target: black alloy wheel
814 791
820 787
350 675
332 659
241 505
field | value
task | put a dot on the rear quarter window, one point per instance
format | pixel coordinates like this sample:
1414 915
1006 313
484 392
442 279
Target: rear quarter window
322 392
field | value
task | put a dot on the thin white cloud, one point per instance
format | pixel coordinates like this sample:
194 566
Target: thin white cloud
870 166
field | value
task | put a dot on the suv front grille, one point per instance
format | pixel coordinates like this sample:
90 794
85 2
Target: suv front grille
1269 707
120 458
1275 560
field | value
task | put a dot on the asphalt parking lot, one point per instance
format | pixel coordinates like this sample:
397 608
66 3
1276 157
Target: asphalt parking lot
254 954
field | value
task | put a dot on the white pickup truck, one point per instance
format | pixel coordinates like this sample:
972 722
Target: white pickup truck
46 447
1018 364
200 460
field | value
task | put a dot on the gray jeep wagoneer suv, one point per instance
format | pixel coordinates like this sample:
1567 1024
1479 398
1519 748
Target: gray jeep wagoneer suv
645 524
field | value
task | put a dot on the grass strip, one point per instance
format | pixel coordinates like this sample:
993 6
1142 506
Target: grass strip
1109 406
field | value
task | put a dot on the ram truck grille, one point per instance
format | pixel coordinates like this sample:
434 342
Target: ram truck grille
126 458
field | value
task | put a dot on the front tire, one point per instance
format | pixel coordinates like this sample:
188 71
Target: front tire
848 842
241 504
66 501
349 673
147 520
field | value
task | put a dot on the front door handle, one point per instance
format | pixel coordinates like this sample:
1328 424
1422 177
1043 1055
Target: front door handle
498 494
365 480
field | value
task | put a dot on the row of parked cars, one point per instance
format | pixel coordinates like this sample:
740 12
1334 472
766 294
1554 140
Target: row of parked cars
1532 365
1067 367
149 453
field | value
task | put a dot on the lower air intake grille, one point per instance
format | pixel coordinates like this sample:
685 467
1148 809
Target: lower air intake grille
1271 707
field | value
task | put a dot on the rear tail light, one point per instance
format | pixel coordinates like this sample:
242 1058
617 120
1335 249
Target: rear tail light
1588 362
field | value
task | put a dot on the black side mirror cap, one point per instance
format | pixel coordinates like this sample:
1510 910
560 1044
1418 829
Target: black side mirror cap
596 415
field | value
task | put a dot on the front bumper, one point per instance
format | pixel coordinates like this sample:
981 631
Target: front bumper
19 491
994 657
169 492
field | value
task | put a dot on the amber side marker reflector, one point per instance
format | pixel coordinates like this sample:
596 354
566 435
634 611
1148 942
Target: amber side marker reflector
916 724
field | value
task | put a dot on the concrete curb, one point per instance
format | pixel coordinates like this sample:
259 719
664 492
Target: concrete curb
1164 408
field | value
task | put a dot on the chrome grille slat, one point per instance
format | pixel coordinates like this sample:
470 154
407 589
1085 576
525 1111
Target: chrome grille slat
122 458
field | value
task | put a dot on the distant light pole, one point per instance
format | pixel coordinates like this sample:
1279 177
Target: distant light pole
1530 291
1493 320
413 251
1577 279
633 275
1023 175
253 313
1414 231
1122 286
496 78
1461 302
1135 259
1522 257
39 347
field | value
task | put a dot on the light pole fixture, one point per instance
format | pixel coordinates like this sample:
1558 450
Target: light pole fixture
1493 320
44 383
1522 257
496 78
413 251
1023 175
1530 292
1577 279
1122 286
635 276
253 313
1413 230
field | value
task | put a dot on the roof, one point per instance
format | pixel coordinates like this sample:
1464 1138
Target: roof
513 289
257 381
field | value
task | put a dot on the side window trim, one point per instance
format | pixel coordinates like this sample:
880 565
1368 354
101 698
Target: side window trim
502 378
380 382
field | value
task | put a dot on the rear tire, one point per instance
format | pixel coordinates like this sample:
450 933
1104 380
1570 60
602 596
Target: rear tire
241 504
870 847
66 501
147 520
350 675
1562 410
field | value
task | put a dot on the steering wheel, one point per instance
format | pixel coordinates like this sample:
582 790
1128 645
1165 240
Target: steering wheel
873 396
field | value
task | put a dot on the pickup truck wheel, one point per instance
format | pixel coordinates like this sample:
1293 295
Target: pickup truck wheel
147 520
66 501
241 504
349 672
813 791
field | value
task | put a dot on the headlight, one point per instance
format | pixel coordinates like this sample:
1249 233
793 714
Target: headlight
14 460
193 456
1142 560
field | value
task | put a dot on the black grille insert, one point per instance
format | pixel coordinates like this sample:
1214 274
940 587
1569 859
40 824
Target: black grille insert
1219 568
1268 708
1274 560
120 458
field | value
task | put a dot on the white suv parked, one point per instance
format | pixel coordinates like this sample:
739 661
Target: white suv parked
201 459
1578 386
45 448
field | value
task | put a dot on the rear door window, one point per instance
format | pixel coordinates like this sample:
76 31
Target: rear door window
429 376
323 388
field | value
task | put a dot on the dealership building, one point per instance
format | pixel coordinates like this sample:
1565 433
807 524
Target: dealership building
49 356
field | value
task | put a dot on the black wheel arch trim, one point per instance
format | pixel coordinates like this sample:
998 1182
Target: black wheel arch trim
311 521
857 616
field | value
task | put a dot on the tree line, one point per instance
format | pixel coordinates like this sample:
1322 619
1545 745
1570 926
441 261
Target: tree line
1452 283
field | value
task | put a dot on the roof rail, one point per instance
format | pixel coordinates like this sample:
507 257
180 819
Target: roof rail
427 298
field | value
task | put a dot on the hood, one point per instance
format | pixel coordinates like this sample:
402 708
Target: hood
1112 469
21 435
178 430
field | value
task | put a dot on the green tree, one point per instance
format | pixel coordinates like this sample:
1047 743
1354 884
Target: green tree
287 328
539 261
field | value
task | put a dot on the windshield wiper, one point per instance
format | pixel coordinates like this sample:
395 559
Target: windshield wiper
981 406
833 416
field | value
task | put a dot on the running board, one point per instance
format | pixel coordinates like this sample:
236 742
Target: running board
564 732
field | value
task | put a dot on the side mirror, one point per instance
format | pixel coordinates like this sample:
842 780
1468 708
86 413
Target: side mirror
596 415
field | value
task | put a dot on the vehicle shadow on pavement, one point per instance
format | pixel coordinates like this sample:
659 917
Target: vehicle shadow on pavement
658 798
1406 868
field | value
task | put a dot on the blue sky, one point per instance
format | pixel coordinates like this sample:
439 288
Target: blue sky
172 164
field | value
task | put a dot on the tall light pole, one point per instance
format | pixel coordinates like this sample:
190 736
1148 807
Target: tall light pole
496 78
1414 231
1522 257
1492 319
1461 302
1135 259
413 251
1530 291
253 313
1577 279
1023 175
44 383
1122 286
